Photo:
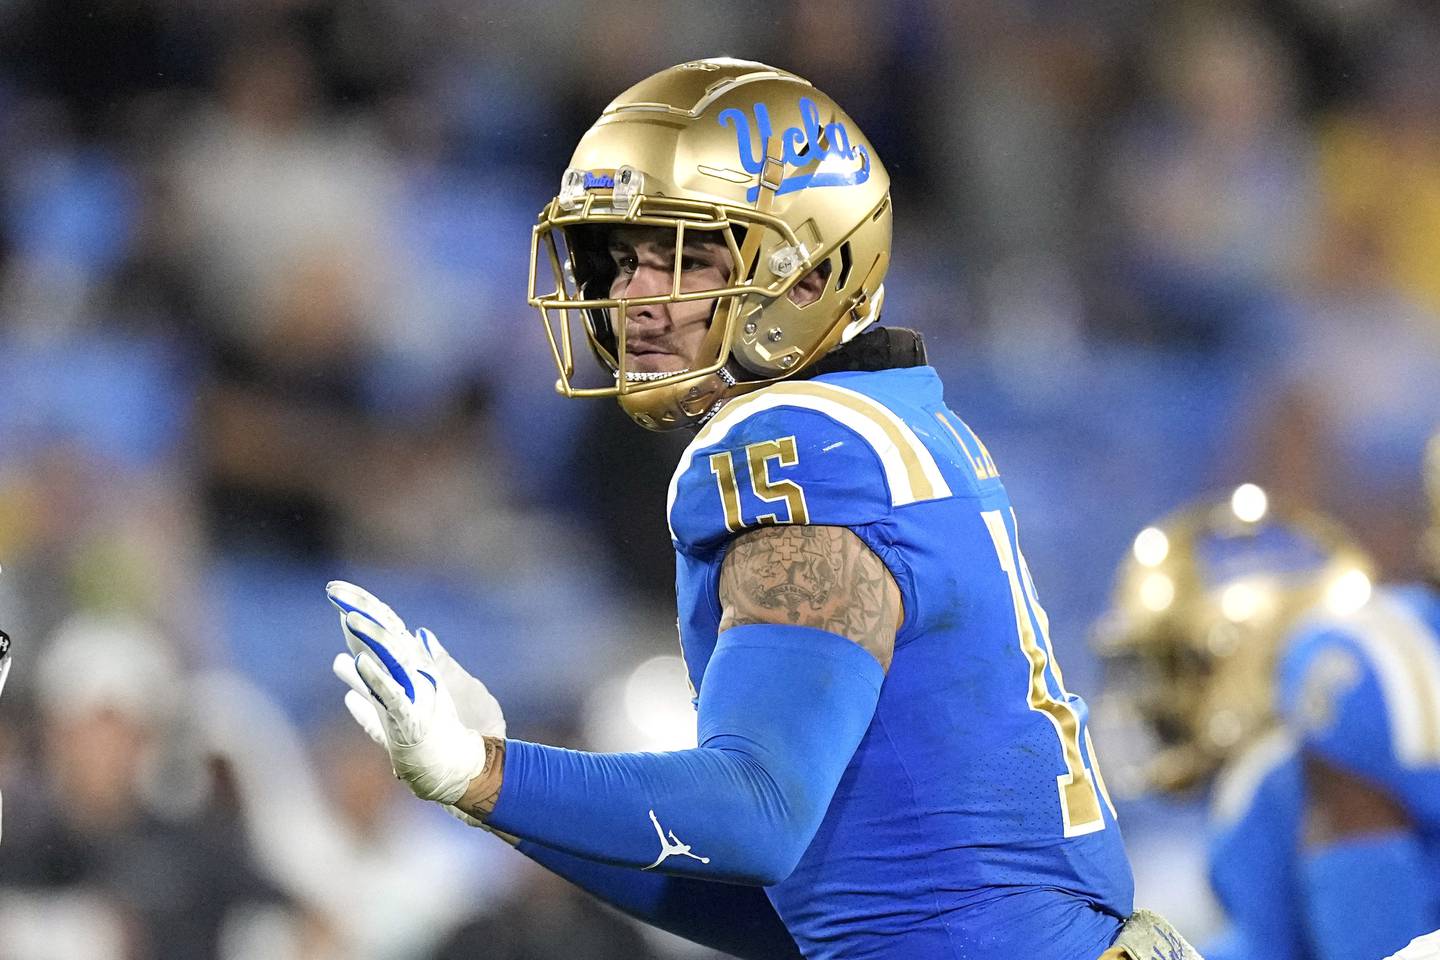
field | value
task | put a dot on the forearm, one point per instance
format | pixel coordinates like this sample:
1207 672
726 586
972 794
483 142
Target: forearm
782 710
735 919
706 812
1365 896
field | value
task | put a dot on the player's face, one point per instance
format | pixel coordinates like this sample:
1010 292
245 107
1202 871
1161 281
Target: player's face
665 337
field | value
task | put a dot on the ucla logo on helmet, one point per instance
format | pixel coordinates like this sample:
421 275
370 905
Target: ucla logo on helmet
826 147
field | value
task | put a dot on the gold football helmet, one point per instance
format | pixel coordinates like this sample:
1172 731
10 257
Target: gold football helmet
1201 605
743 155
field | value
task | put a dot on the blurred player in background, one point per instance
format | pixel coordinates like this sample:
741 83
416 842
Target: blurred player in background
889 765
1252 645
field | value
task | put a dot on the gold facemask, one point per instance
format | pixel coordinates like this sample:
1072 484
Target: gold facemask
1201 606
747 156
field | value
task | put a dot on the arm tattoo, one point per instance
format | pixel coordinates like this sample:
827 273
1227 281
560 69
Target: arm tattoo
810 576
479 799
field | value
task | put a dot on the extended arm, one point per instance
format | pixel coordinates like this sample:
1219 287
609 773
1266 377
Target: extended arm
736 919
784 703
1364 876
1361 870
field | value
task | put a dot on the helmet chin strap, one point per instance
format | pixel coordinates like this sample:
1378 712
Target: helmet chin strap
638 376
724 374
865 315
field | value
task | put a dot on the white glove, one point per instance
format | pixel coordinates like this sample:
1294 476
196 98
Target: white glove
477 708
430 748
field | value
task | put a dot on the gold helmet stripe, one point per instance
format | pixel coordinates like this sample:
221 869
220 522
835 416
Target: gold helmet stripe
1407 665
910 468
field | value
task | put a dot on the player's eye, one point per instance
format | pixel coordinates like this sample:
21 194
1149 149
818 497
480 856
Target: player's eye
625 263
688 263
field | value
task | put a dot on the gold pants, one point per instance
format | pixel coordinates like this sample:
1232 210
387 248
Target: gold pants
1149 936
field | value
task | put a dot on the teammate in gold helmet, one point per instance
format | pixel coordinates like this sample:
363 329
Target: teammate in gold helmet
1202 602
1261 653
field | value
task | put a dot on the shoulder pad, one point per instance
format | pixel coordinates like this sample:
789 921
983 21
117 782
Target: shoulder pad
801 453
1364 690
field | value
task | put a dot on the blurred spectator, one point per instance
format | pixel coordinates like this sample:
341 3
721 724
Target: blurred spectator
284 404
269 183
410 873
1380 167
95 511
1342 424
90 869
1212 180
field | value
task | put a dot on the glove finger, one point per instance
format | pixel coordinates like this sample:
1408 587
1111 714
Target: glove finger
406 724
354 644
427 693
431 643
350 598
362 708
447 668
474 704
382 645
383 688
343 666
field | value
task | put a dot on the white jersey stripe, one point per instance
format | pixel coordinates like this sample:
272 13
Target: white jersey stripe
1238 781
910 469
1407 664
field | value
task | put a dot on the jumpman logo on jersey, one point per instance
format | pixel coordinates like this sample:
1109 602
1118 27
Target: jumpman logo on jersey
671 846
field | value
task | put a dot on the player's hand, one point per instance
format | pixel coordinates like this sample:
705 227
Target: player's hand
477 708
430 748
366 711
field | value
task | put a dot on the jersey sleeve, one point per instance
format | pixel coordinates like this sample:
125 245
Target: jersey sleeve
1364 693
1254 829
779 465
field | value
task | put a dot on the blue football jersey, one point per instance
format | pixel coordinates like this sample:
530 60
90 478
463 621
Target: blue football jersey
1362 692
972 821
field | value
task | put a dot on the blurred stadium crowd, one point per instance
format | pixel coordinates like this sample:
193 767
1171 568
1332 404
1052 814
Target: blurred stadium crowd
262 324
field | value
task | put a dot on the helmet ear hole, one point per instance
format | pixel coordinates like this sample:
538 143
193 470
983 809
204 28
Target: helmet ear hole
810 289
847 261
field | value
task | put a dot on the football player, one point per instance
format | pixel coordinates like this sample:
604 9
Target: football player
889 764
1256 649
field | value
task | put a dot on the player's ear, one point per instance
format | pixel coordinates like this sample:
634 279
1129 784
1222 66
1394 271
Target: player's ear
810 286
